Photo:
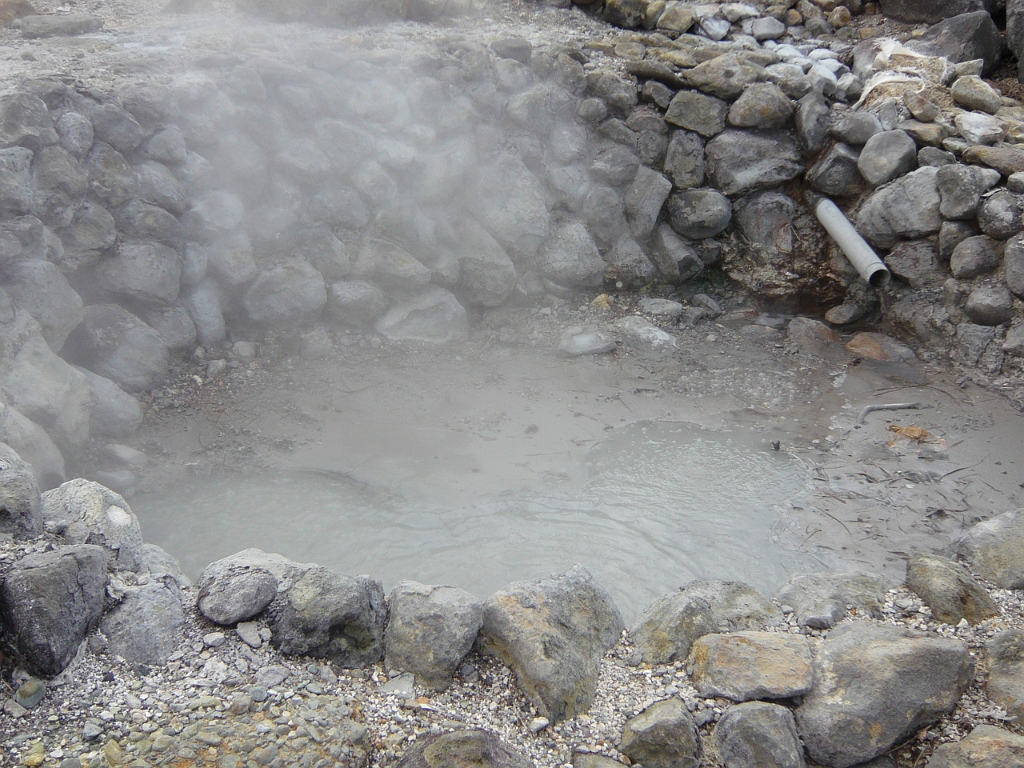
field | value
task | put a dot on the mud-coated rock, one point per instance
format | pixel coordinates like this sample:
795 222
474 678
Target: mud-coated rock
50 601
758 735
434 316
917 262
989 305
21 512
876 685
87 512
430 630
985 747
115 344
750 665
144 627
974 256
949 590
552 633
739 162
820 599
666 629
995 548
330 616
662 736
461 749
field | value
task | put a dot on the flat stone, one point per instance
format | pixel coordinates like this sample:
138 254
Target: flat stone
974 93
1005 159
977 128
751 665
698 112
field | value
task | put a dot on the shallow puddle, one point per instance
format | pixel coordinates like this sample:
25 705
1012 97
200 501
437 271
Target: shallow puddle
665 503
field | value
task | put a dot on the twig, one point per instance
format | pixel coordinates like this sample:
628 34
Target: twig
889 407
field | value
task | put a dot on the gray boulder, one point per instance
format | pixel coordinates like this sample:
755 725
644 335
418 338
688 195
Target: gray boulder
699 213
949 590
723 76
117 345
213 215
390 266
577 341
230 260
286 296
750 665
917 262
116 127
995 548
875 686
836 174
856 127
812 121
553 632
734 605
964 37
239 587
698 112
518 218
158 186
644 199
932 11
486 274
463 747
974 256
663 736
951 234
762 105
739 162
886 156
684 159
615 166
326 253
33 444
25 122
20 505
76 133
628 263
985 747
144 272
973 93
15 181
144 627
91 232
1013 264
430 630
355 303
111 178
961 187
116 413
86 512
1004 656
820 599
999 215
758 735
22 238
676 259
666 629
174 326
204 304
989 305
58 186
331 616
166 146
570 256
434 316
40 289
907 209
50 601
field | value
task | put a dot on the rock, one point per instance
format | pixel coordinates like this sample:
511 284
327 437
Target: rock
874 686
974 256
665 630
644 199
325 253
30 693
1004 655
951 234
917 262
576 342
856 128
166 146
140 220
661 308
230 260
723 76
239 587
34 445
204 305
91 232
58 186
697 112
976 128
935 156
1005 159
50 601
113 126
758 735
762 105
40 289
87 512
949 590
1013 264
836 174
811 337
985 747
430 631
157 185
355 303
464 747
616 92
751 665
961 187
1014 342
734 605
20 504
63 25
999 215
144 627
434 316
677 260
740 162
643 332
25 122
907 208
213 215
115 344
971 342
699 213
110 178
812 119
990 305
962 38
519 218
974 93
628 264
174 326
286 296
930 12
148 273
820 599
767 28
684 159
877 346
335 617
552 633
615 166
589 760
486 273
662 736
15 181
886 156
570 257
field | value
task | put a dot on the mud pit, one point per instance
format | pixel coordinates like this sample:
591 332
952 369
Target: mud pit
491 459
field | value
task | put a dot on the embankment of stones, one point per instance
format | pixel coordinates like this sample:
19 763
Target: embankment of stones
316 190
811 672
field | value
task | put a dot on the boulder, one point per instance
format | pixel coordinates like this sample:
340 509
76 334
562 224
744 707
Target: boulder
174 326
204 304
461 749
355 302
628 263
33 444
92 232
517 218
1004 656
390 266
917 262
330 616
836 174
644 199
723 76
856 127
999 215
932 11
239 587
147 273
985 747
963 37
58 186
820 599
166 146
230 260
810 337
989 305
25 122
666 629
50 601
615 166
739 162
40 289
749 665
875 686
116 413
961 187
15 181
886 156
762 105
699 213
141 221
906 209
434 316
116 127
949 590
676 259
697 112
1013 265
734 605
110 177
21 513
144 627
684 159
430 630
995 548
552 632
156 185
758 735
570 257
85 512
326 253
286 296
974 256
486 274
971 92
662 736
213 215
115 344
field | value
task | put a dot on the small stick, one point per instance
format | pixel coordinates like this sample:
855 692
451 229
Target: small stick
889 407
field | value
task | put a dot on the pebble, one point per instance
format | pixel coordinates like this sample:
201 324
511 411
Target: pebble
249 632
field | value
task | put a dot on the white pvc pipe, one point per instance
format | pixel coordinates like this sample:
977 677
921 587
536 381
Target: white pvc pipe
860 254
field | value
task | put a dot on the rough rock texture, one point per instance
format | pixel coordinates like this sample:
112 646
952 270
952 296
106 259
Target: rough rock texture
50 601
758 735
115 344
21 512
874 686
241 586
430 630
740 162
552 633
286 296
143 628
995 548
931 11
985 747
734 605
949 590
906 209
86 512
751 665
666 629
467 748
1004 655
662 736
820 599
